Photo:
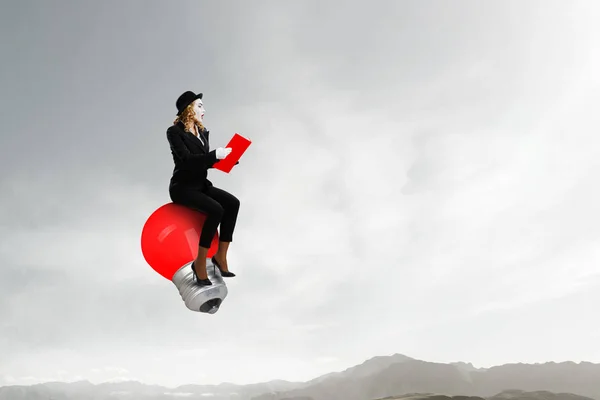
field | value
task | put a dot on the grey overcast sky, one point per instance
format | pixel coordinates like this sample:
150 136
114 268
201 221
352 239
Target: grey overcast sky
423 180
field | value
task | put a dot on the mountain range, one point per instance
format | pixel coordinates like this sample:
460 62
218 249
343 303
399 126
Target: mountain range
383 377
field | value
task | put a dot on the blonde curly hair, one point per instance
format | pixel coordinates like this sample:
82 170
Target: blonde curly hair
188 118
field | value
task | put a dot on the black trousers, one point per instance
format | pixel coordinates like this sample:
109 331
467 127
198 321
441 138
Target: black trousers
218 205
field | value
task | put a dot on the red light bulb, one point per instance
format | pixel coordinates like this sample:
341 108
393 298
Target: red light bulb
170 238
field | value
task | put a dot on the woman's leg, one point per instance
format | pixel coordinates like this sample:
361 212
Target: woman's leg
231 207
196 200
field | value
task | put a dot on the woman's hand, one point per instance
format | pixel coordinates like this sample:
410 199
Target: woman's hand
223 152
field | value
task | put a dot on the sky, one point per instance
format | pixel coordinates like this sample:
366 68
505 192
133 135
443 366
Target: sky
422 180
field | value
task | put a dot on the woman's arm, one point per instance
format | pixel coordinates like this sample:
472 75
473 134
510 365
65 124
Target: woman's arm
181 151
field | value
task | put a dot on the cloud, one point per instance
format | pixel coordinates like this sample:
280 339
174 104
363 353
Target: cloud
414 171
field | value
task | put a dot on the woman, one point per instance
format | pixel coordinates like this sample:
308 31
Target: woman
190 187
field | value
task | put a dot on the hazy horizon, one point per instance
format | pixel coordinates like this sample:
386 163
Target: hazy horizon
420 182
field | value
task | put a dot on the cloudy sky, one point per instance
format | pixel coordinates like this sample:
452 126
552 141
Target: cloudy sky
422 180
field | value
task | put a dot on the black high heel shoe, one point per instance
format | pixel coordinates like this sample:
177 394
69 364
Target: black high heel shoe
223 273
201 282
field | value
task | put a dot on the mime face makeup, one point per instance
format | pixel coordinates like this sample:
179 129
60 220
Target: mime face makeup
199 110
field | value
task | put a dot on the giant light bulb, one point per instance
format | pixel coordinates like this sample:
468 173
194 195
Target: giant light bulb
170 244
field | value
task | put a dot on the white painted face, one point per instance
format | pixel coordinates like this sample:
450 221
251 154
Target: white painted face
199 109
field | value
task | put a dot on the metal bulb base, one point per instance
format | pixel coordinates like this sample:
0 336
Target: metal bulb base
204 299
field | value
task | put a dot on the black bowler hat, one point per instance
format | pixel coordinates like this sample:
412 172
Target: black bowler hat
186 99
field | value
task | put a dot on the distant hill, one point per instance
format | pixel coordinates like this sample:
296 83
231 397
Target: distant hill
383 377
407 375
132 390
505 395
367 368
537 395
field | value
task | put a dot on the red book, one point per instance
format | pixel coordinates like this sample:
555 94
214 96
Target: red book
238 145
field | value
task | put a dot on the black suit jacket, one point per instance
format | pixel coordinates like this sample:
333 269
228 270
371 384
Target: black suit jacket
192 157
